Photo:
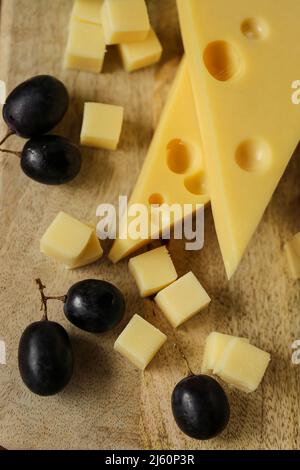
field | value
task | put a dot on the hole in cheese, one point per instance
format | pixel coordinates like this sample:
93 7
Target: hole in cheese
156 199
253 155
254 28
179 158
222 60
196 184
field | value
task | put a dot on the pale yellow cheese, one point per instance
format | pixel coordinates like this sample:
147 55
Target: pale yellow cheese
243 58
292 251
242 365
215 346
173 171
139 342
136 55
66 239
182 299
152 270
87 10
92 253
102 125
85 47
125 21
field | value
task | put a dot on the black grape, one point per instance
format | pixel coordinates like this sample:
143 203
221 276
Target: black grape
94 305
200 407
45 358
50 159
36 106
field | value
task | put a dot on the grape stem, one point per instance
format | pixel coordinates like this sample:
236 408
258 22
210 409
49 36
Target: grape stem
176 346
8 134
190 372
12 152
44 299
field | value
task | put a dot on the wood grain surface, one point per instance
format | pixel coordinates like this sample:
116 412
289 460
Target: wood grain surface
109 404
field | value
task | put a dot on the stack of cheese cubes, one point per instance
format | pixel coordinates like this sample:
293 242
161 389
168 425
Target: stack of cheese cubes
235 361
71 242
96 24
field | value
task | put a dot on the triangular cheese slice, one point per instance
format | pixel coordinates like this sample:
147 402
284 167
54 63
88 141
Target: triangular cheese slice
243 58
173 170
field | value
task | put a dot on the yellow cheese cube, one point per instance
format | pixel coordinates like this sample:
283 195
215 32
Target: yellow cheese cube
87 10
139 342
215 346
66 239
152 270
92 253
292 251
125 21
242 365
136 55
182 300
102 125
85 48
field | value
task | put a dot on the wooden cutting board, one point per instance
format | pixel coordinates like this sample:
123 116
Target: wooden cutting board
109 404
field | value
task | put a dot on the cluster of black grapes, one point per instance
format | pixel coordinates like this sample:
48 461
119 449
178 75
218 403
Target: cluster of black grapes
45 350
31 110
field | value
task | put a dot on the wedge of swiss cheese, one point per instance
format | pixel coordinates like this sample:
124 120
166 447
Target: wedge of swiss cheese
243 57
173 170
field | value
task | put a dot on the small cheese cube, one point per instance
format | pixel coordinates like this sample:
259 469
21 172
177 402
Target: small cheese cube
102 125
125 21
152 270
85 48
292 251
242 365
215 346
136 55
139 342
92 253
66 239
87 10
182 300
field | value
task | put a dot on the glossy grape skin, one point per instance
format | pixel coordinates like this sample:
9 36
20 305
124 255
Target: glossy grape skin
200 407
45 358
36 106
50 159
94 306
